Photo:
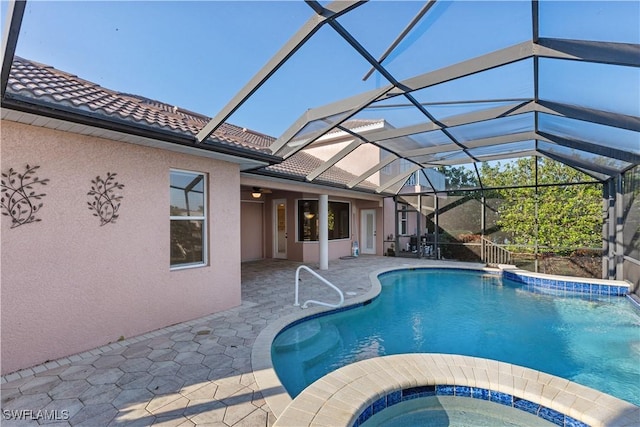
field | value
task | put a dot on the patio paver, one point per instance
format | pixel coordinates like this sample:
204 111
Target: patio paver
194 373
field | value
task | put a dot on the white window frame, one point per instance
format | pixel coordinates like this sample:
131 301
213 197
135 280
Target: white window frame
403 223
203 218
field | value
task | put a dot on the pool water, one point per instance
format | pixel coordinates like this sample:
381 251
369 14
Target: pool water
594 342
443 411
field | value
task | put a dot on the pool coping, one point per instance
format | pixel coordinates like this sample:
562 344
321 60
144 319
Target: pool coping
349 396
266 378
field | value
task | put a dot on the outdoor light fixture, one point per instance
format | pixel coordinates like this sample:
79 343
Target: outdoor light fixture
256 193
307 211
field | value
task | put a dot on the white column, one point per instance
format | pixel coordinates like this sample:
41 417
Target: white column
323 208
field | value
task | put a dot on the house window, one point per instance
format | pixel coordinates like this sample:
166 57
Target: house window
188 218
402 223
309 222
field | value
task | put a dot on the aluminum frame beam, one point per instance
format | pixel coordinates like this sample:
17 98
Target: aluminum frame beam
388 160
625 54
331 12
475 65
595 175
591 115
11 33
457 120
385 134
487 158
474 143
579 164
398 178
481 63
279 145
589 147
402 35
548 107
334 159
409 155
600 52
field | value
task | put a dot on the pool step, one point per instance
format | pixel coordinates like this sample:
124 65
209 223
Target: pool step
324 344
310 340
298 336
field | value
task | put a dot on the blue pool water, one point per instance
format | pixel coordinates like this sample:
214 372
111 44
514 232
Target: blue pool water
594 342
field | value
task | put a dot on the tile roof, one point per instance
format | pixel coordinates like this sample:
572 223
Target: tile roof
32 80
42 82
301 164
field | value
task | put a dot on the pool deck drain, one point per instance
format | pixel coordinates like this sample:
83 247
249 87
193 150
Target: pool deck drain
201 372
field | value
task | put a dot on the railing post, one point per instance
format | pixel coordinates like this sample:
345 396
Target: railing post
323 280
296 302
493 253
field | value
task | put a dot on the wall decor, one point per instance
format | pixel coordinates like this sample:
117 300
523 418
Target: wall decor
106 202
19 199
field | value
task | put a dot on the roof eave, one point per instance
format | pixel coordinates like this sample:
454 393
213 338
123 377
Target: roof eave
88 118
301 179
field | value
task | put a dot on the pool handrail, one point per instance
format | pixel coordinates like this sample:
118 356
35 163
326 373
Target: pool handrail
323 280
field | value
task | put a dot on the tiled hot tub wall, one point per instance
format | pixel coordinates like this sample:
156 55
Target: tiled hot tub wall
506 399
548 284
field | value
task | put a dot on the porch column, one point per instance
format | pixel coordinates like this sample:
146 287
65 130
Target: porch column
323 208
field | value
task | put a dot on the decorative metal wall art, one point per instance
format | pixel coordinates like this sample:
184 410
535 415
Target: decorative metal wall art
19 200
106 202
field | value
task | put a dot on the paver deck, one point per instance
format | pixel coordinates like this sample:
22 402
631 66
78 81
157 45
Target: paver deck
193 373
197 373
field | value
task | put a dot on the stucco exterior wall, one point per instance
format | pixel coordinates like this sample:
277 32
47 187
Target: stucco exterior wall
357 162
252 230
337 248
69 284
389 225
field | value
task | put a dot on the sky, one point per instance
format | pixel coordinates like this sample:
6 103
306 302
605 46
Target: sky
198 54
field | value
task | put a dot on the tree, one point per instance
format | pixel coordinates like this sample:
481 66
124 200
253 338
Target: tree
568 216
458 177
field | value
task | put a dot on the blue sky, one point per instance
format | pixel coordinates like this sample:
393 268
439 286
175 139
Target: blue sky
198 54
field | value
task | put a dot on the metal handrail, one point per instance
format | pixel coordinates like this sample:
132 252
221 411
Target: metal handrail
325 281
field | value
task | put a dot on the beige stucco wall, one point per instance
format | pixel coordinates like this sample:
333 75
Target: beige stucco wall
251 230
69 284
357 162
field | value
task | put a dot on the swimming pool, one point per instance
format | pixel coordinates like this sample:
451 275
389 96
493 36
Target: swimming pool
594 342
